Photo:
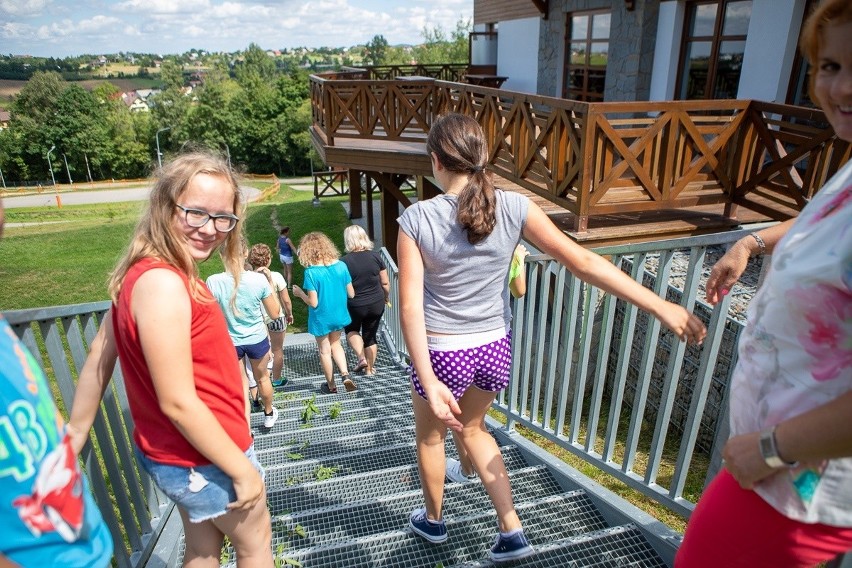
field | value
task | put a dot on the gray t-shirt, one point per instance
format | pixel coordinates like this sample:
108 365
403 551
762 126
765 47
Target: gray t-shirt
465 285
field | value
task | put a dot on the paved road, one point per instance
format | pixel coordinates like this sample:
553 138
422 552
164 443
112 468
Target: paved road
48 198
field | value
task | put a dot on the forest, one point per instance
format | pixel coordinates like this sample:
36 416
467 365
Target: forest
248 106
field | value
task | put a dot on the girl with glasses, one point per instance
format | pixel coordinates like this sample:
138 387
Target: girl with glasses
183 382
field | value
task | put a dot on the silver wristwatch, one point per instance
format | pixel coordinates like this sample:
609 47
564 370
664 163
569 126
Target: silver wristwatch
769 450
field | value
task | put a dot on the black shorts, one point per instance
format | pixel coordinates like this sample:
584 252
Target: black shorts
366 320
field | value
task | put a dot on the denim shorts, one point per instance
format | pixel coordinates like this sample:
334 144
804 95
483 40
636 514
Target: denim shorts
203 491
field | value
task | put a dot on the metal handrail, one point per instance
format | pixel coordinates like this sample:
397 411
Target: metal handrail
136 512
589 370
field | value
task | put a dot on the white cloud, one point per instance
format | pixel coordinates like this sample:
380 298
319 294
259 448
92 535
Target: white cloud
174 26
23 7
13 31
157 7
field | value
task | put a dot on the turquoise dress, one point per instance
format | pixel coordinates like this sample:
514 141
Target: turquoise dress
329 282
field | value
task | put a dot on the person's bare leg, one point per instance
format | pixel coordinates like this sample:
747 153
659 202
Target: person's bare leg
324 348
371 352
337 352
357 344
431 459
288 274
203 543
464 459
485 455
260 370
276 340
250 533
248 389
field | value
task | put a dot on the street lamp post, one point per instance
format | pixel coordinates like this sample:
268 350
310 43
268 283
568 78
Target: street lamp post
49 165
160 154
67 171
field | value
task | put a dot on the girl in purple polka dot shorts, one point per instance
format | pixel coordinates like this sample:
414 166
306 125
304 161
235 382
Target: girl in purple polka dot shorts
454 252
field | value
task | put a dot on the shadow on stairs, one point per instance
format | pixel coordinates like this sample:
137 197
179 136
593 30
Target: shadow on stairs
341 475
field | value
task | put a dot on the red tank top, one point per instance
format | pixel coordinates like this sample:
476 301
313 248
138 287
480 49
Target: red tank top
215 366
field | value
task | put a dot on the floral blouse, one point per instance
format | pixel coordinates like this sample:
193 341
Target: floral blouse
796 352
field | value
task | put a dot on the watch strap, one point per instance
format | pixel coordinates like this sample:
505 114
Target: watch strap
769 450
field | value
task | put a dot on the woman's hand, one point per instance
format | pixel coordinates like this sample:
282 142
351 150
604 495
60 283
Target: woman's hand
685 325
743 459
726 272
299 293
443 404
248 487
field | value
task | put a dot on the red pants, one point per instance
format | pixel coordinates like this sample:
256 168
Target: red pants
732 526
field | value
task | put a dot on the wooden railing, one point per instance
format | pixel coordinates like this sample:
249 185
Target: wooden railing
442 71
601 158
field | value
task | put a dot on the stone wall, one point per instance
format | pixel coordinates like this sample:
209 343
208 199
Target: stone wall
631 47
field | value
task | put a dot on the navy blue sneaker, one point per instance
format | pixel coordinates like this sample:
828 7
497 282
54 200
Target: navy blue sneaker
511 547
433 531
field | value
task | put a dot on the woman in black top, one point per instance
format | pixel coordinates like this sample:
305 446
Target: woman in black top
370 280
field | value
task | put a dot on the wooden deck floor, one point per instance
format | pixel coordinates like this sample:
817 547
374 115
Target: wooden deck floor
410 158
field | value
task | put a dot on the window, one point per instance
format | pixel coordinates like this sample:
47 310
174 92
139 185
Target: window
797 91
713 46
586 52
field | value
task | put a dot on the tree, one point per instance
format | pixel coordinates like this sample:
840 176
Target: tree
437 48
377 49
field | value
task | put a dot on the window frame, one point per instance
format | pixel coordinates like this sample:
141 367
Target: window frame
716 41
584 94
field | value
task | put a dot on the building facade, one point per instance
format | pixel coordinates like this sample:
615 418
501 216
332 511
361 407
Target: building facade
639 50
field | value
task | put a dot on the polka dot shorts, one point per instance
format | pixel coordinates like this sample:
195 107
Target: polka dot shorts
485 367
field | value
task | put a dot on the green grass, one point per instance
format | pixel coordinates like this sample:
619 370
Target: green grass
67 256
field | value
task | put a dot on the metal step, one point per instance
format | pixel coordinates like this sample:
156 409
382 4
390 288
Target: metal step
352 463
341 489
387 513
369 484
545 521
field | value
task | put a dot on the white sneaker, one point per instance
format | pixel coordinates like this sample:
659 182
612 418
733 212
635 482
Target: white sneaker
270 419
455 473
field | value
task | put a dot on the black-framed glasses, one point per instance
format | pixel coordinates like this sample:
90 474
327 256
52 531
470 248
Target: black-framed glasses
197 218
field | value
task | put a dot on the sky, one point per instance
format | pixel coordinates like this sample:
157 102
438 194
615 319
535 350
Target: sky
62 28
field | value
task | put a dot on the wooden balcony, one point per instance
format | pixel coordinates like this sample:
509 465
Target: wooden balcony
611 172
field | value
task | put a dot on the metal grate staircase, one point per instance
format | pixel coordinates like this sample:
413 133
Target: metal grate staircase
342 485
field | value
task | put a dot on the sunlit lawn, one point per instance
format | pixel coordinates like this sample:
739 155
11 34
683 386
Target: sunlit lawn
67 256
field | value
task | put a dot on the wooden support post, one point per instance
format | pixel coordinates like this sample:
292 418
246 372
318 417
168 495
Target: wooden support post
371 222
390 228
426 189
355 211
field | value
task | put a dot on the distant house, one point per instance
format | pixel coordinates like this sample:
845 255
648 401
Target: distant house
5 117
134 102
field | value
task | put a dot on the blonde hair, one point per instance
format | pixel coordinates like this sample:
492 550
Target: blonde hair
355 238
827 13
155 235
316 249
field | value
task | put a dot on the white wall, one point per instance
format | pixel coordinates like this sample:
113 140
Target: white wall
773 32
666 51
517 54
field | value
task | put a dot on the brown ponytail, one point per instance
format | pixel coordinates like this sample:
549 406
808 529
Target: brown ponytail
460 145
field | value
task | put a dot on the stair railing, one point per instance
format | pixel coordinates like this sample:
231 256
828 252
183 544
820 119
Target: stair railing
604 381
140 517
